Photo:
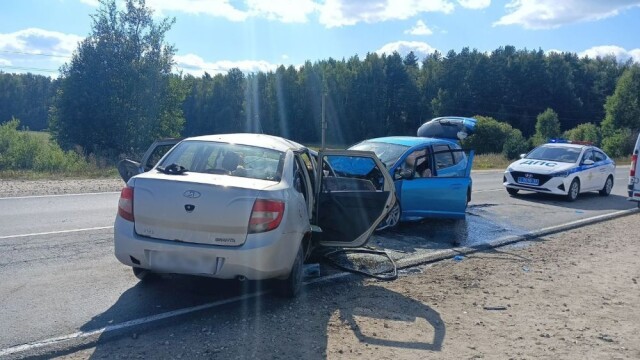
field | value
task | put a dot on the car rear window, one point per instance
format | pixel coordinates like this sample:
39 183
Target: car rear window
227 159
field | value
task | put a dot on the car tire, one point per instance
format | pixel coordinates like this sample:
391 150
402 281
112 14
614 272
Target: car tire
291 286
574 190
512 192
608 185
143 274
392 219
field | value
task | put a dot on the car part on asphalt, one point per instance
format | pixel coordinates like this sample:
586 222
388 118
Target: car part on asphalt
379 276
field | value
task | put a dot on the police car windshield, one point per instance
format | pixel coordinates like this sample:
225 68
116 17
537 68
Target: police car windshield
555 153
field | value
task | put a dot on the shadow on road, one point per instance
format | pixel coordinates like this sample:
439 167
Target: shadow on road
333 313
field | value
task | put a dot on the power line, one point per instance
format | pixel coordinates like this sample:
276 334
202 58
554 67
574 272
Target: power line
27 68
34 54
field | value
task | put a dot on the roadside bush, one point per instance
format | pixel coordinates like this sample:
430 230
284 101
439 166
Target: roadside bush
584 132
619 143
489 136
515 144
547 127
20 150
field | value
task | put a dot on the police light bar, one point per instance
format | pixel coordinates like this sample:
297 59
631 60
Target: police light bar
565 141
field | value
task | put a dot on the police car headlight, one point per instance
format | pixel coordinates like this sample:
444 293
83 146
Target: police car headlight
563 174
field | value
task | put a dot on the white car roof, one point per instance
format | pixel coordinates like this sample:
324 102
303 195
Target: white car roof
261 140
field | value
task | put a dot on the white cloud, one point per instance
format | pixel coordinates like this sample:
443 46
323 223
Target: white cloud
93 3
549 14
287 11
335 13
474 4
39 41
606 50
420 49
217 8
332 13
419 29
195 65
4 62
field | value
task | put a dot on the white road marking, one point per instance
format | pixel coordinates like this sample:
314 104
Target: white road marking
58 195
55 232
490 190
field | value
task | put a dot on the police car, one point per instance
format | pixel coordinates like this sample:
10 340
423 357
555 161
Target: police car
561 168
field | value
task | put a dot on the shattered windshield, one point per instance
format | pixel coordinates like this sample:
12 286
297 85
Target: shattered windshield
387 153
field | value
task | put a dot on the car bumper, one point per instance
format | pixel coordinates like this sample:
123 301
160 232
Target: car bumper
555 185
262 256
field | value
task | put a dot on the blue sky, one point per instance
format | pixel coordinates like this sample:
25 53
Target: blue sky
39 36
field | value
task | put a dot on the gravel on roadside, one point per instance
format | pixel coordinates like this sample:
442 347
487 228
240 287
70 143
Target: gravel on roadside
16 188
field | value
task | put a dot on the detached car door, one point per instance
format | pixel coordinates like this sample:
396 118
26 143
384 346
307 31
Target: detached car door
129 168
354 194
443 195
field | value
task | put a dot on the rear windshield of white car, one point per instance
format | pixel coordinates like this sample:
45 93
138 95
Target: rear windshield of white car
387 153
211 157
555 153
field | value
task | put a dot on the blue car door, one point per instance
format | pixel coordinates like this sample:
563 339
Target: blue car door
444 194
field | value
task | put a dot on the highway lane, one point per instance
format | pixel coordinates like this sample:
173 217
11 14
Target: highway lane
40 214
66 281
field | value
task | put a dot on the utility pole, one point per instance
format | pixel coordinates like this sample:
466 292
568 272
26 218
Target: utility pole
323 122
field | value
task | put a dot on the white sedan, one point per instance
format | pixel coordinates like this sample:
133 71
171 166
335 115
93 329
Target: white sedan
247 206
562 169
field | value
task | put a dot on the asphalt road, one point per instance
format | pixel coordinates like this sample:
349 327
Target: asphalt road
59 276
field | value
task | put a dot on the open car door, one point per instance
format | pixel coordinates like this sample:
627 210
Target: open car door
128 168
444 195
354 195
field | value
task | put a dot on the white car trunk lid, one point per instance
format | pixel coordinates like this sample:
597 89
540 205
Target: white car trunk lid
171 207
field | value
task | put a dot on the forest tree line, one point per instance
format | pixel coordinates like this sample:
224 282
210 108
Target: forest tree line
118 93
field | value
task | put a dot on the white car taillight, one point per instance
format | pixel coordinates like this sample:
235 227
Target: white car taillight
634 160
125 204
266 215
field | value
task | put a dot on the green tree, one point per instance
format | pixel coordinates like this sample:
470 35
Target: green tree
489 136
584 132
623 107
547 127
117 94
515 144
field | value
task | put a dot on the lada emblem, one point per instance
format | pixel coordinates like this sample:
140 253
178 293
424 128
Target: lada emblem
191 194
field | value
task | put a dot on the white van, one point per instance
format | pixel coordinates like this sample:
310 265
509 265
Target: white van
634 178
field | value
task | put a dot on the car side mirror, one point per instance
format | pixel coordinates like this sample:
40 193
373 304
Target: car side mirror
522 156
588 162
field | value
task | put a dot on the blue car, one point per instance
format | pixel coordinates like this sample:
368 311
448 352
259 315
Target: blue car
432 172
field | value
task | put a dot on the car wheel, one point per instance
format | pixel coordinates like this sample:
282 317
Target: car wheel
574 190
512 192
290 287
608 185
143 274
393 218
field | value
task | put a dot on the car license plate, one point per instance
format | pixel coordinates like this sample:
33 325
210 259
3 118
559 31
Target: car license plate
528 181
182 262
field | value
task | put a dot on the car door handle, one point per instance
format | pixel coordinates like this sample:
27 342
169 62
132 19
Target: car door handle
455 186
